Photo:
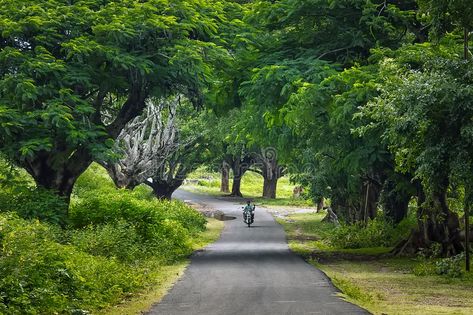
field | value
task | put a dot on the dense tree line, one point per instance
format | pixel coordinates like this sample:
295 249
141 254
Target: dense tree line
376 95
366 103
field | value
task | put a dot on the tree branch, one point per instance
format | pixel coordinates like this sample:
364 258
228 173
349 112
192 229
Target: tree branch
132 107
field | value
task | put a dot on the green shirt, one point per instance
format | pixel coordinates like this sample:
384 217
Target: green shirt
249 208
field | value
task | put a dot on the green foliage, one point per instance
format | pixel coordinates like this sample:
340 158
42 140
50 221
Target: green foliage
423 268
32 203
376 233
451 266
108 250
111 205
39 275
72 74
17 194
209 183
130 225
161 228
352 290
119 240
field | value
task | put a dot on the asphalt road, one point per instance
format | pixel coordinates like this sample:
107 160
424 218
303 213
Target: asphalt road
250 271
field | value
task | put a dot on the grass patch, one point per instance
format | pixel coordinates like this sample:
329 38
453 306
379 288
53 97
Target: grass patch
380 283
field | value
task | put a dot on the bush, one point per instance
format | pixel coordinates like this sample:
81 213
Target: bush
34 203
39 275
376 233
209 183
112 241
451 267
18 194
118 240
424 268
128 224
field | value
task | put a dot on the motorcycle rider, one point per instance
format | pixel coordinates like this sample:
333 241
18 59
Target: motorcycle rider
251 209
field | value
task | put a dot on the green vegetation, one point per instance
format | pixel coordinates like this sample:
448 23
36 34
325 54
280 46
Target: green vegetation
367 104
373 278
115 244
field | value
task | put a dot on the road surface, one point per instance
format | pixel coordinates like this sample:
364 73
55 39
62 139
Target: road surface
250 271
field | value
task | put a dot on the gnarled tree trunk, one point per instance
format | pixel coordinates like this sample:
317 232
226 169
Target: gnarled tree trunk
120 177
146 142
58 177
164 189
320 204
240 164
436 224
236 187
269 187
270 170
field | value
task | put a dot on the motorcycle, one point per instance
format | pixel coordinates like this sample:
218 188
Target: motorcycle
248 218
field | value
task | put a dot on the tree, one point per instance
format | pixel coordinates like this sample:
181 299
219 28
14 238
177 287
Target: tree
230 149
63 65
192 145
305 47
271 171
145 144
426 114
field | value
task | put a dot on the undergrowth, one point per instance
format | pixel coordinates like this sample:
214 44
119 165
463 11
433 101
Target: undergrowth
103 250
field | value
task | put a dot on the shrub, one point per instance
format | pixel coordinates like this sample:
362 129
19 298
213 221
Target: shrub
118 240
108 216
34 203
209 183
424 268
376 233
41 276
112 241
451 266
110 205
189 218
18 194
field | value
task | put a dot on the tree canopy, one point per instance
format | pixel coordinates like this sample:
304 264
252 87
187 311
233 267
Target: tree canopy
365 103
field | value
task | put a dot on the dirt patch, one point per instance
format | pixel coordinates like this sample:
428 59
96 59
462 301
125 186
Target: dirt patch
303 238
209 212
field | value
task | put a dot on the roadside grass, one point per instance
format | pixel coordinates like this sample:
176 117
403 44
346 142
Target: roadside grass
164 277
205 182
371 278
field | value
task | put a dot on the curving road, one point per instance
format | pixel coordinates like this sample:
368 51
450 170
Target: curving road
250 271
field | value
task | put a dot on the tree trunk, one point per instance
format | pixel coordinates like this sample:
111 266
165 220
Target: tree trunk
320 204
271 172
269 187
467 234
371 193
120 178
164 190
395 201
225 182
56 177
436 224
236 186
239 168
331 217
